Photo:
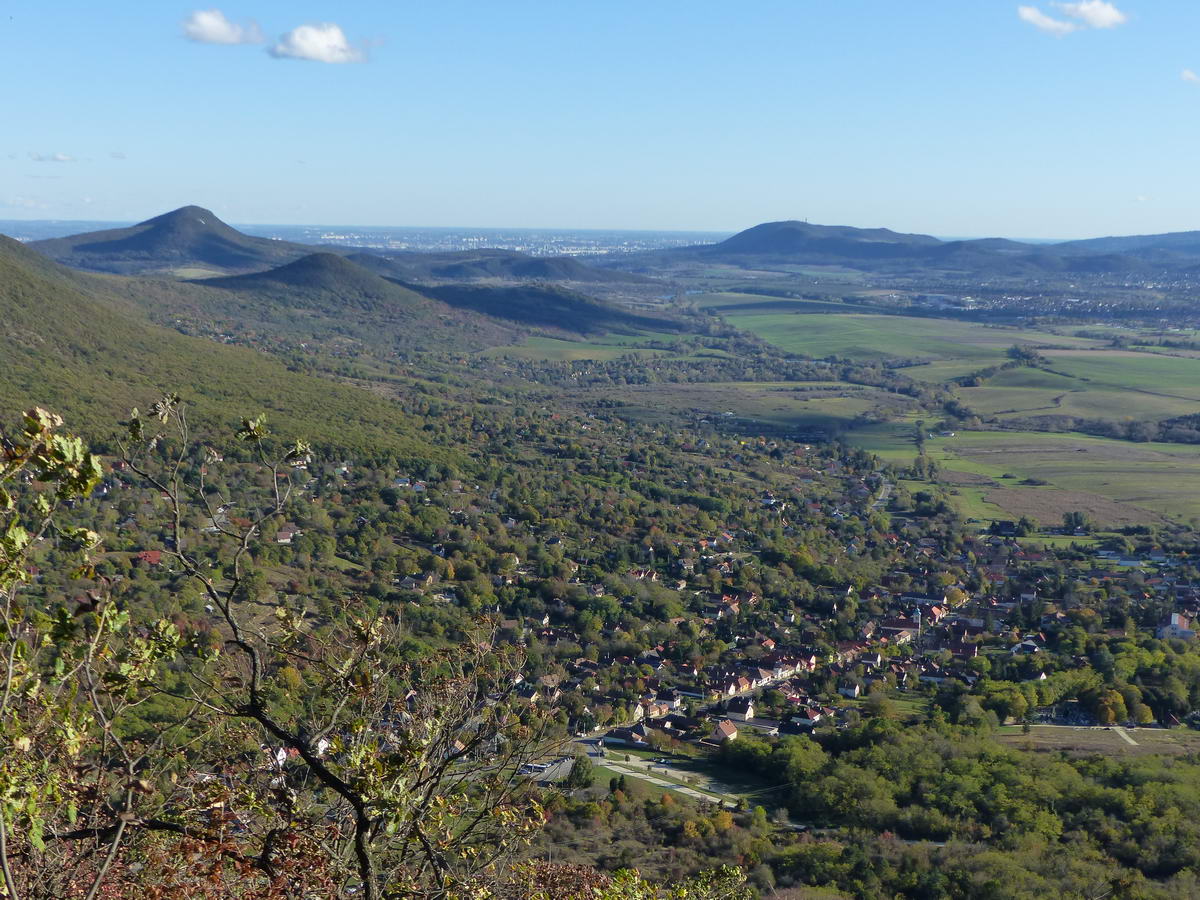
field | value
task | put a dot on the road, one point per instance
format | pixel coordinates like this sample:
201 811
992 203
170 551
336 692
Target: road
885 493
1124 735
685 781
643 772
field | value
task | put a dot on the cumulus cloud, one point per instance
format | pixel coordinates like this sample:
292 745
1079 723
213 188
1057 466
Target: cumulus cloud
1094 13
1189 75
1085 14
321 42
52 157
1043 22
209 26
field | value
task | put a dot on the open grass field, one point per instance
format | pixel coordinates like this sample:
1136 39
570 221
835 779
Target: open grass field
1088 741
875 337
1117 482
798 406
1153 374
1087 380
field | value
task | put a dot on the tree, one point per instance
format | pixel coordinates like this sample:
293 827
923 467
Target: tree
582 774
395 777
1076 521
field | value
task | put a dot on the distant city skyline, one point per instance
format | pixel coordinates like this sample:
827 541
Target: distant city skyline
1051 120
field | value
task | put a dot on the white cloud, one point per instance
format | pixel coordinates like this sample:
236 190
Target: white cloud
51 157
322 42
1086 13
209 26
1094 13
1189 75
117 154
1043 22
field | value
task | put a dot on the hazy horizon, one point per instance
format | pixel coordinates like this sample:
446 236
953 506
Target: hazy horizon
93 224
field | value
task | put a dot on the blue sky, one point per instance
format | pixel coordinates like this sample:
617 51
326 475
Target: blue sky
954 117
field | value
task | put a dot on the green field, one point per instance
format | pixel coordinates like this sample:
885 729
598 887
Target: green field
1117 482
879 337
1152 374
1117 385
798 406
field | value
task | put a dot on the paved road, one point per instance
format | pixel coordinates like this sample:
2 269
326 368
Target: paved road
885 494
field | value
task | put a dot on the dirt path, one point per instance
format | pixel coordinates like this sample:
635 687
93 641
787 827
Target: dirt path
1125 736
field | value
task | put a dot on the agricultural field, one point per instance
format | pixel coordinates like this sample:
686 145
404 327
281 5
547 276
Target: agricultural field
868 337
1116 482
794 407
1150 374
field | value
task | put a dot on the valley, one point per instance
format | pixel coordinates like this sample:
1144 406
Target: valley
761 529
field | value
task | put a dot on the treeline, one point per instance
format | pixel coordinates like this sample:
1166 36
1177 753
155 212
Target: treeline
942 782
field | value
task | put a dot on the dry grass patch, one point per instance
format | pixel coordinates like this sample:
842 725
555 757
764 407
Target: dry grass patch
1049 504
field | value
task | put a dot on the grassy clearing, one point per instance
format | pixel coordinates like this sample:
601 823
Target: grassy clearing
942 371
799 406
1087 741
1115 480
876 337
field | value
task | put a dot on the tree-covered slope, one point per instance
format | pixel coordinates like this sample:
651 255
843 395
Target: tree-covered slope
549 307
69 344
508 265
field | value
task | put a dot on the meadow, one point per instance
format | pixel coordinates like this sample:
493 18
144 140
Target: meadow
1104 741
791 407
870 337
1116 482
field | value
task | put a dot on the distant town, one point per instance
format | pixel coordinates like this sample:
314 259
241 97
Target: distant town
534 241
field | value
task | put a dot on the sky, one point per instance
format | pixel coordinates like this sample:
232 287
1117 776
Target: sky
950 117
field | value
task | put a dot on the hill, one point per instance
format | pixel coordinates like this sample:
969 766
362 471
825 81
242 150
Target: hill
793 238
886 251
1180 247
71 344
326 280
549 307
475 265
189 237
322 306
